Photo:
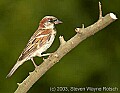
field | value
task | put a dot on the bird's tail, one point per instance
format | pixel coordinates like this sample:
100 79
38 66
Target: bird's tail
14 68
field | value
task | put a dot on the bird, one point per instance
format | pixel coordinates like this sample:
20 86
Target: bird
40 41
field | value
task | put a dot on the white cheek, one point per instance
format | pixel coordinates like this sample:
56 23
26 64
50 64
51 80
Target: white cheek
49 25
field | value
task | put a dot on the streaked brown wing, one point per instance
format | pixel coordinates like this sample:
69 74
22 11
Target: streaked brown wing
38 33
36 41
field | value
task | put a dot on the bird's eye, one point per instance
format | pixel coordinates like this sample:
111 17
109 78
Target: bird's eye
51 20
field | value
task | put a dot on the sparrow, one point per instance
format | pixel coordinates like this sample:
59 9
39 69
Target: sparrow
40 41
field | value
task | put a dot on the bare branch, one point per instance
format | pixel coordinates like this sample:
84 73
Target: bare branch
113 16
62 41
18 84
80 30
64 49
100 11
83 26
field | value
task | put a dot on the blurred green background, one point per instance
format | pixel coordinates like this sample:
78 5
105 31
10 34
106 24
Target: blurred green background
95 62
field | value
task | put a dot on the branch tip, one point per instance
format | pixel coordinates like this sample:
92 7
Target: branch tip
77 30
18 84
30 73
62 40
80 30
100 10
113 16
44 59
83 26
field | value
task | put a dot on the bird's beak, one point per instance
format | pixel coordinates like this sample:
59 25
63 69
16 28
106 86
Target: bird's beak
58 22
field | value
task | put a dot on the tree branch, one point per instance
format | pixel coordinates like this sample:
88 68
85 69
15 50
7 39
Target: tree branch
64 48
100 11
62 41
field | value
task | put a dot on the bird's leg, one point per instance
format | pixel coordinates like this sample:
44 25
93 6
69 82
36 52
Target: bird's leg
33 63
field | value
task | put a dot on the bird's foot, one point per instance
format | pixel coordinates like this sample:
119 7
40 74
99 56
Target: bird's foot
46 54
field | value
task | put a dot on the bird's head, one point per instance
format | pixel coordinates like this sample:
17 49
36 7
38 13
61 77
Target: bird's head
48 22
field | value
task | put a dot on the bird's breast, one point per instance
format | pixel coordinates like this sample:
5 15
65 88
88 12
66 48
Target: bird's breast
48 43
